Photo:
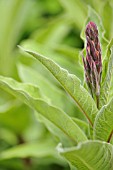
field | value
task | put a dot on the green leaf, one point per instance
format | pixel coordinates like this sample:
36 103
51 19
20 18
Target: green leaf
22 88
8 105
59 136
90 155
98 6
75 9
83 125
93 16
72 167
19 112
9 137
35 149
71 54
31 96
107 75
71 84
57 96
107 12
12 23
66 56
103 126
107 59
54 31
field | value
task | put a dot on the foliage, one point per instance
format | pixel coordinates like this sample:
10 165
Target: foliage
48 123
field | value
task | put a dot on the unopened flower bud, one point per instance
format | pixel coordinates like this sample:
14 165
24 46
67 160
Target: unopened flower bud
93 60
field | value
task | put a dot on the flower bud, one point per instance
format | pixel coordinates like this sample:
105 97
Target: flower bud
93 61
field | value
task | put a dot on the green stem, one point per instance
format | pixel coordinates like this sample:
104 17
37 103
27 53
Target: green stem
97 101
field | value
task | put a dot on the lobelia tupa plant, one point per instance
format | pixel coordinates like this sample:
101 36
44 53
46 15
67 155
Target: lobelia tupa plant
86 144
93 62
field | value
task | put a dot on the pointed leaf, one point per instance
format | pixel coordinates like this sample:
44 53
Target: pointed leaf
107 75
71 84
32 98
11 22
90 155
66 56
103 126
107 13
57 96
37 149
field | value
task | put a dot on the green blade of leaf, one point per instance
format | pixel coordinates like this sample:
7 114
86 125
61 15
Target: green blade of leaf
57 96
66 56
71 54
9 105
59 136
97 5
8 119
75 9
107 12
71 84
28 95
49 35
83 125
73 167
107 75
11 23
103 126
37 149
90 155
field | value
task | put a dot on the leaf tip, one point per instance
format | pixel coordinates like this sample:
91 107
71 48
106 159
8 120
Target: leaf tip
21 48
25 50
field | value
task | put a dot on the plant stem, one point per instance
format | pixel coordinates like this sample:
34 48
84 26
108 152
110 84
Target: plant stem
97 101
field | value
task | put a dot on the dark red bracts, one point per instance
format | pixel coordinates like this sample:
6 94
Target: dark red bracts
93 60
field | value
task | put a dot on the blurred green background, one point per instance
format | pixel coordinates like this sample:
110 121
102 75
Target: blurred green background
53 28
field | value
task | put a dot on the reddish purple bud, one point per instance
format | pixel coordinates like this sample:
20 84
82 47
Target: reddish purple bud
93 61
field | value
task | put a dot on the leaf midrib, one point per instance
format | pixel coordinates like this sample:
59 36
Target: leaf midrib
27 95
35 56
84 163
